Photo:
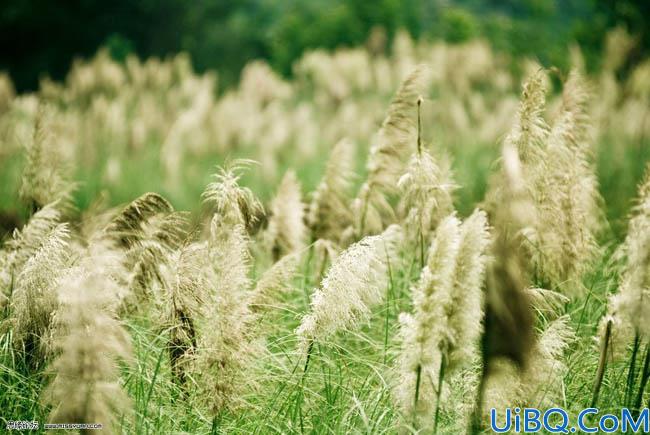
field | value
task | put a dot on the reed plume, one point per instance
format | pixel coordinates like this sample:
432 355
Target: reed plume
232 202
565 190
286 232
372 210
34 300
630 307
185 296
329 210
43 178
89 343
426 188
24 244
227 343
275 281
509 323
353 284
443 333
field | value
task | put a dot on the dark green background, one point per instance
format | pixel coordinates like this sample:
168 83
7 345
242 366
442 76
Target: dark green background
40 37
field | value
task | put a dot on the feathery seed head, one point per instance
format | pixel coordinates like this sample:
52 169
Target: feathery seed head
509 319
232 202
530 129
353 284
395 141
34 300
90 341
631 305
43 179
329 211
286 232
277 279
426 190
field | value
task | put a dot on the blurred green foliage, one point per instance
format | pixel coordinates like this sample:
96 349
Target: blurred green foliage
42 37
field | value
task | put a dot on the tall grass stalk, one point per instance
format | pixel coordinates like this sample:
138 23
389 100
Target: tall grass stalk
602 363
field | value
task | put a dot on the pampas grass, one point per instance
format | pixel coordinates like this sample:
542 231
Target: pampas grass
631 305
422 355
25 242
182 302
442 334
34 301
43 179
426 188
395 140
566 195
225 346
275 281
353 284
415 307
509 321
286 232
89 343
227 343
329 211
560 180
627 317
232 202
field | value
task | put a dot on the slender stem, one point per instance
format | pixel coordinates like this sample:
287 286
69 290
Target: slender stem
644 381
215 425
421 247
418 379
582 313
321 272
441 377
478 406
309 350
631 374
301 397
602 363
153 381
307 273
389 291
485 367
419 127
364 211
301 390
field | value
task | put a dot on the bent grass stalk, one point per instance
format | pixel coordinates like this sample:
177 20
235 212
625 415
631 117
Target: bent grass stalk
645 375
441 377
602 363
631 374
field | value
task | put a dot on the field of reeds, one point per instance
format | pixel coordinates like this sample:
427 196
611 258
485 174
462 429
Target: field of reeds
385 243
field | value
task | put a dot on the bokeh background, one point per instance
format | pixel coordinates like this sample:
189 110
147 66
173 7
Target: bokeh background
104 101
151 95
41 37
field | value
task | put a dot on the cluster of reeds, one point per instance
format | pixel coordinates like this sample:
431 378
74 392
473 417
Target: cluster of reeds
484 303
626 322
